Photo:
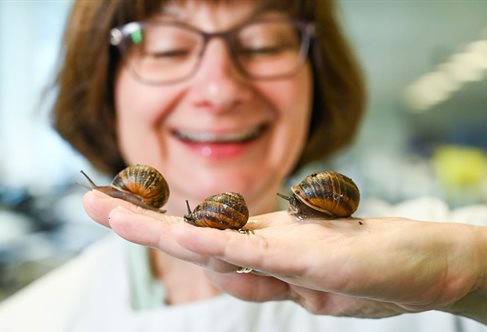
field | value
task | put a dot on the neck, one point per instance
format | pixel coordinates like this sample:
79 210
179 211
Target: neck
185 282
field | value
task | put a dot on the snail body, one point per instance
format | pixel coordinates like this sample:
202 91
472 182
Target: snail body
141 185
324 194
221 211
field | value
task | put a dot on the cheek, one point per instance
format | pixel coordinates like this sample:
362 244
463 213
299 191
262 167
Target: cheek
293 108
137 118
292 99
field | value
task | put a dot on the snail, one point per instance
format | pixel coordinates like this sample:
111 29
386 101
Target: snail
324 194
225 210
141 185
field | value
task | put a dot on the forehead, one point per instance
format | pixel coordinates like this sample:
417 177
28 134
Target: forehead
284 5
129 11
222 14
255 6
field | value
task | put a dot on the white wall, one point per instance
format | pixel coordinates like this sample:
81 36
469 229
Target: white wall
32 155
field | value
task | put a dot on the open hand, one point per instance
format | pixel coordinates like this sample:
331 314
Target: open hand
346 267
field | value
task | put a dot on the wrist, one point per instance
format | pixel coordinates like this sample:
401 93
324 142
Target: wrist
474 303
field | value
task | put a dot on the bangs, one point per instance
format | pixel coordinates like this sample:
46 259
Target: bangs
139 10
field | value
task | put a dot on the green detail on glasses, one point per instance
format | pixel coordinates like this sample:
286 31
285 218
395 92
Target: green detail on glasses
136 37
261 49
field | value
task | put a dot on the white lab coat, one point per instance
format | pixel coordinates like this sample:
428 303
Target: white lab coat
91 293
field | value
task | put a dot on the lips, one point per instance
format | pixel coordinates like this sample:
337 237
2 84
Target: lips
219 145
215 137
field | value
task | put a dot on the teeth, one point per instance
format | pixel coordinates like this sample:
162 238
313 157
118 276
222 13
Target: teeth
209 137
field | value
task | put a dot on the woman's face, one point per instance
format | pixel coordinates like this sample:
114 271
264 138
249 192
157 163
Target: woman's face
216 131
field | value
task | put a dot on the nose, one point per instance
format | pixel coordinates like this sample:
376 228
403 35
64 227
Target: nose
218 85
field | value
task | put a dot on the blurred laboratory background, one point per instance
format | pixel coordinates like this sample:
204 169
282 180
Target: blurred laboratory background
425 132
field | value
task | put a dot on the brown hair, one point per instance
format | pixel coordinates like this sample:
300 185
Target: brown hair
84 112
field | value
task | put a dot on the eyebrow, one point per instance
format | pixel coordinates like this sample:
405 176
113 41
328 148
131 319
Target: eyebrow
171 10
274 5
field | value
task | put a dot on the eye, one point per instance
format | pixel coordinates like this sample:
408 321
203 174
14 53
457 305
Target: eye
266 39
171 43
171 53
265 50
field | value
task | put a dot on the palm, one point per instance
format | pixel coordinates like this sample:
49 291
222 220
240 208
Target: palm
368 267
371 260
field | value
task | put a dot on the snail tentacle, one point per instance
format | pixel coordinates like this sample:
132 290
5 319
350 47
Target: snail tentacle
221 211
141 185
324 194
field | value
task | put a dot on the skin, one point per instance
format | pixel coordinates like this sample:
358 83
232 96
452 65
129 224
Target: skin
379 268
376 268
217 99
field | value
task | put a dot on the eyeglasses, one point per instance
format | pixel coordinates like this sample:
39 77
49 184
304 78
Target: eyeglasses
165 53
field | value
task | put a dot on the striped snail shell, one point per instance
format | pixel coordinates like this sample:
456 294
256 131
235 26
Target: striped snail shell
141 185
324 194
221 211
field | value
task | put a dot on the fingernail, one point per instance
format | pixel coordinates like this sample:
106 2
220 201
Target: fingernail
99 194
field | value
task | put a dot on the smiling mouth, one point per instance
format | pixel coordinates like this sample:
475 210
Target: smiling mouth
242 136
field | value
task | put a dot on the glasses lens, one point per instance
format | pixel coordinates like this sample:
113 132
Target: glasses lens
268 49
164 53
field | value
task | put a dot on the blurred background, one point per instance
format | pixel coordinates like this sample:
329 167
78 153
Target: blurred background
425 131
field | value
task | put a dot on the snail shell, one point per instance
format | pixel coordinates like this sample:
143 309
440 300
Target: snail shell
225 210
141 185
325 194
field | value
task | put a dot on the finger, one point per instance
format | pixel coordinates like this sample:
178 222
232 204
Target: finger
253 250
257 222
261 288
212 242
219 266
333 304
98 206
129 223
142 228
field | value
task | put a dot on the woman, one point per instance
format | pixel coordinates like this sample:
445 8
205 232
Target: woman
218 96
